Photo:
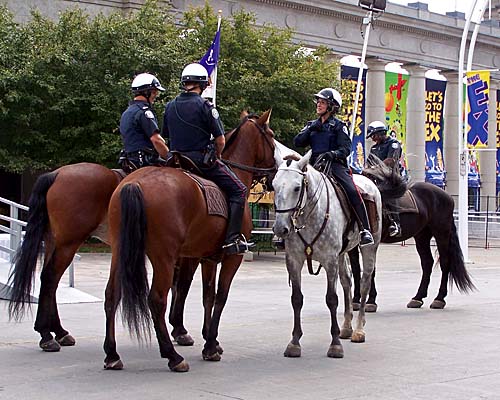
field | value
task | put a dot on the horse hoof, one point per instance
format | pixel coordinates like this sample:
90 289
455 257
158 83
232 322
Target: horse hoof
292 350
335 351
219 349
183 366
372 307
50 346
211 357
356 306
415 303
345 333
184 340
66 340
358 337
438 304
114 365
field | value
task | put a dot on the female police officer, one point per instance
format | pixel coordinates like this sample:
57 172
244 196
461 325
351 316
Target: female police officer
189 123
331 145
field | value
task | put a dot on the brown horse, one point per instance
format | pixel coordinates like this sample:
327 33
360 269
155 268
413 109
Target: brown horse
161 213
66 207
434 219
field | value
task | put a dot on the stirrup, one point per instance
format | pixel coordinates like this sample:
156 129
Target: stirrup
365 238
238 246
394 230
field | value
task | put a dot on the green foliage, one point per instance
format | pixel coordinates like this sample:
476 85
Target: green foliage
65 83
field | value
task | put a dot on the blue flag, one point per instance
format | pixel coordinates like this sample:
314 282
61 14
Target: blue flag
211 57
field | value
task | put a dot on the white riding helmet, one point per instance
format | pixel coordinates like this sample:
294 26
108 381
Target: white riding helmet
331 95
194 73
146 81
376 127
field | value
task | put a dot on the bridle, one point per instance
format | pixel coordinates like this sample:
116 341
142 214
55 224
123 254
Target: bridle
258 172
298 210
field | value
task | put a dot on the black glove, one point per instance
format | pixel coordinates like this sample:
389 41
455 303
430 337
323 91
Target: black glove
316 125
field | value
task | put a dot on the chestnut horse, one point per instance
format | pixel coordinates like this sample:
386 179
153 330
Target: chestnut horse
161 213
66 207
433 220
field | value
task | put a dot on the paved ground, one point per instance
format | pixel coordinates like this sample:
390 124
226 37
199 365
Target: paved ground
409 354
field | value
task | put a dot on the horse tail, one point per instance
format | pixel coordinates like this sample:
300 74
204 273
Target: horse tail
458 273
25 260
132 262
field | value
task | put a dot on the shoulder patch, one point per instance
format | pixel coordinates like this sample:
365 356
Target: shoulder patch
215 113
344 129
395 145
149 114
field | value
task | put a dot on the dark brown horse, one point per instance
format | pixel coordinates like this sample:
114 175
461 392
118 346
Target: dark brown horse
433 220
66 207
161 213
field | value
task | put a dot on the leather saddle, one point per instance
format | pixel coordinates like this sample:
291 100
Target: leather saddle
215 199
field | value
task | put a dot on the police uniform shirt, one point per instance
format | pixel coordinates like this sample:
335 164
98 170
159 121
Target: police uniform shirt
332 136
137 125
189 122
389 148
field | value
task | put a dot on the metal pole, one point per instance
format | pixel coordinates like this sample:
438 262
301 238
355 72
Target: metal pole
366 21
463 162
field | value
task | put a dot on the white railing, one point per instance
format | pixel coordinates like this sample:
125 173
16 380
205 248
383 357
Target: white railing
12 238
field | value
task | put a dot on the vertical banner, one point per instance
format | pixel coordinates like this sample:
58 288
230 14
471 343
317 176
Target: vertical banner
478 91
497 131
396 94
435 172
349 81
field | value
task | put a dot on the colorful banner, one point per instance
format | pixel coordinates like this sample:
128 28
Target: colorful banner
435 172
497 131
396 94
349 82
477 108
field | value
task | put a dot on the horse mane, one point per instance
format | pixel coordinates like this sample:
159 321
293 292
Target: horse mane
386 176
231 135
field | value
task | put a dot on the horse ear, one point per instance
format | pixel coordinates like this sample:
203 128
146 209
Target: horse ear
243 114
302 164
264 118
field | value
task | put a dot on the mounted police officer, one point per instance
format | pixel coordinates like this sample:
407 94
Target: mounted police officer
141 138
331 145
189 124
386 148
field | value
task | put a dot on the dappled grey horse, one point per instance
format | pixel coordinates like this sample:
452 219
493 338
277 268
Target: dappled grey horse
310 219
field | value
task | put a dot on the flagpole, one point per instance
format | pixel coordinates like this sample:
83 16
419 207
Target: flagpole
214 83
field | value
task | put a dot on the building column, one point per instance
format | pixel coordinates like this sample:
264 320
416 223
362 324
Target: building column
415 123
450 132
375 90
488 159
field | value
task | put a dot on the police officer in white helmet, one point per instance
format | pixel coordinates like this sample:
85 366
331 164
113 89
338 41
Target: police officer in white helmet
142 142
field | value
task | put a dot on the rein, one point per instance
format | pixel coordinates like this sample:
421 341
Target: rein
298 210
261 172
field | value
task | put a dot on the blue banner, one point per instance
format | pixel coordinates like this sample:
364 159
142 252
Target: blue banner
435 171
497 131
349 81
477 108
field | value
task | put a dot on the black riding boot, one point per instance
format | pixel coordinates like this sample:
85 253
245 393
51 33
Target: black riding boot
395 227
234 242
365 236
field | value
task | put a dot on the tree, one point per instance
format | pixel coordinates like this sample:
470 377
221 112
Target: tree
65 83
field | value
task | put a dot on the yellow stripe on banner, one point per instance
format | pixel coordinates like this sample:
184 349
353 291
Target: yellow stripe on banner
478 93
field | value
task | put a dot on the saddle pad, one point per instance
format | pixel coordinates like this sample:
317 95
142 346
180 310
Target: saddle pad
368 199
214 198
406 203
